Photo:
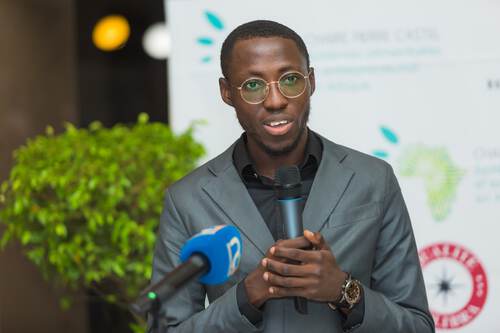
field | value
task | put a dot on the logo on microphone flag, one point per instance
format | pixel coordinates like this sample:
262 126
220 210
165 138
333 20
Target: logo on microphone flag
234 254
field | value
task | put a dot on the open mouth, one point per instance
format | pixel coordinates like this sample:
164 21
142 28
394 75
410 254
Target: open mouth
278 127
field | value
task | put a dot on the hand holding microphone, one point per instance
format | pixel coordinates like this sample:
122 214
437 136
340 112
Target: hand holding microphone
302 266
318 278
290 201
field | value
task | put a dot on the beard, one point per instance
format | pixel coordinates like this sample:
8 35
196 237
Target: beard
276 152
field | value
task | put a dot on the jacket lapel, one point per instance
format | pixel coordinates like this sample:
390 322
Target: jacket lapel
330 184
230 194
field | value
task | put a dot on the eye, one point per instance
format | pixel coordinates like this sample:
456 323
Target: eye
253 85
290 79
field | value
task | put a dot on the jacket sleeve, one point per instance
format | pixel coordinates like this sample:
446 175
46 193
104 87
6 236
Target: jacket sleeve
395 300
185 311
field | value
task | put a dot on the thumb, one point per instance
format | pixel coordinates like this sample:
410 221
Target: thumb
315 238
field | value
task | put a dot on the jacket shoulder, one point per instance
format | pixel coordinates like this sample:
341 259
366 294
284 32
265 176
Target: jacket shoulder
371 173
203 174
356 160
362 162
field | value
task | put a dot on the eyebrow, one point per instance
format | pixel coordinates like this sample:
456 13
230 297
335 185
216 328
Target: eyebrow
281 70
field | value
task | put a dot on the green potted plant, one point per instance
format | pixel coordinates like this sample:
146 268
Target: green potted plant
85 204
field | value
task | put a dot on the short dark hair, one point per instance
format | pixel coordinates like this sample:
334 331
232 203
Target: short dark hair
253 29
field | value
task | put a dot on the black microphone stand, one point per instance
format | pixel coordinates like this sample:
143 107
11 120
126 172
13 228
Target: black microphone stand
151 299
159 323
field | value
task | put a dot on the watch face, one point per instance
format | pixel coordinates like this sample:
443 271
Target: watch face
352 292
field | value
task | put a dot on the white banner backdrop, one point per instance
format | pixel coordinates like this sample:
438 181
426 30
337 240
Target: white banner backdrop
415 83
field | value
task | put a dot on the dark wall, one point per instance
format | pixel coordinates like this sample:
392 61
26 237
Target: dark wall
37 87
50 73
117 86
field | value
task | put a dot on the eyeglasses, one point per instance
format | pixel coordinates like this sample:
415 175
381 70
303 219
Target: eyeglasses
290 84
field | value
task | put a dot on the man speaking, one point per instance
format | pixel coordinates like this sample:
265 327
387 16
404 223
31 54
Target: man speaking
356 264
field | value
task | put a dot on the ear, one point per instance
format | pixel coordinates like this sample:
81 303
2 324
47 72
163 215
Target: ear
312 81
225 91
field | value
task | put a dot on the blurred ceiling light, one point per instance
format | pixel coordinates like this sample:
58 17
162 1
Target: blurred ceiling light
111 32
156 41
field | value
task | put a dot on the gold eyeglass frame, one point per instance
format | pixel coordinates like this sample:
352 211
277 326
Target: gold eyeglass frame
306 77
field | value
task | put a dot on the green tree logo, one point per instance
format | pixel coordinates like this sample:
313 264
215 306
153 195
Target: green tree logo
433 165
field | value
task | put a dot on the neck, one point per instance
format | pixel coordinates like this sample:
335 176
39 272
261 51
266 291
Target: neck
267 164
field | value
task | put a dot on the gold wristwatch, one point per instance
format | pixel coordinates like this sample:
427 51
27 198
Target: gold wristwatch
350 294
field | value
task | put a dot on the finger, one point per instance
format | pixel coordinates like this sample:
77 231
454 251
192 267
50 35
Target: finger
297 243
295 254
316 239
278 292
287 269
272 257
286 281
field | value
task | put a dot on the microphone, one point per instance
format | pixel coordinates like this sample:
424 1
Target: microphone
288 190
212 255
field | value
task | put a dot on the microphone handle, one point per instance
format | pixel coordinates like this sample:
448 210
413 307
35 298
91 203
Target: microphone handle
191 269
291 215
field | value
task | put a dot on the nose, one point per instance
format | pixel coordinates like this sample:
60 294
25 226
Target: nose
275 99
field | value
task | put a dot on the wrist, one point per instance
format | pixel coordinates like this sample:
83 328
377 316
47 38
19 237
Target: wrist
350 295
254 296
339 294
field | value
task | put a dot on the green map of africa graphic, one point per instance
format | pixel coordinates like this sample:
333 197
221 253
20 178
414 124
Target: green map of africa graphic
441 177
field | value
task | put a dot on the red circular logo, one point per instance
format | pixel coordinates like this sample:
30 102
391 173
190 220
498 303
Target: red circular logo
456 284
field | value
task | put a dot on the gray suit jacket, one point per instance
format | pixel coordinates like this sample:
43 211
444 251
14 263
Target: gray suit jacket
356 204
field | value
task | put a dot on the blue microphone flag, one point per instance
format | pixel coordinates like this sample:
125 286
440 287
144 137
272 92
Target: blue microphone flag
221 247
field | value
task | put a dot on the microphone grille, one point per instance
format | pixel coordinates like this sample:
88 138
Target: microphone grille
287 176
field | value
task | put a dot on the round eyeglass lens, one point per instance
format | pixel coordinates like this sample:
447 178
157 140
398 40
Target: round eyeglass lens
292 84
254 90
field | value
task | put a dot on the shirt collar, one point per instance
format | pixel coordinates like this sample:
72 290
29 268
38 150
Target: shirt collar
245 166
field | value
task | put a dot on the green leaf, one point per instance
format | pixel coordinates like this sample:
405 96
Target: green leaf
117 269
61 230
143 118
6 237
95 125
25 237
111 298
65 302
138 327
16 184
85 203
36 255
4 186
49 130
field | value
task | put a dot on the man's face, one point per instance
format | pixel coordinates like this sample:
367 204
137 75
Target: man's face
268 58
